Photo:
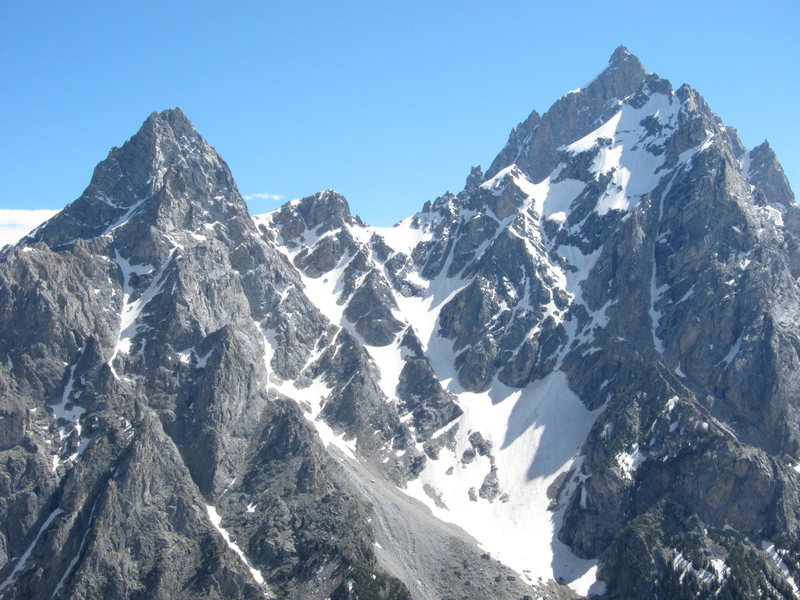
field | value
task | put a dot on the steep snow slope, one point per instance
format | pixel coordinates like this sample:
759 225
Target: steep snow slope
517 528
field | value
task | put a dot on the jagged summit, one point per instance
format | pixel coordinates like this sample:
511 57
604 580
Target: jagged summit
623 74
174 116
764 171
534 143
167 170
474 179
622 58
319 213
169 131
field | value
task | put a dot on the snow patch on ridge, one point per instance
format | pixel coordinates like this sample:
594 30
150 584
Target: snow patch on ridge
629 462
312 397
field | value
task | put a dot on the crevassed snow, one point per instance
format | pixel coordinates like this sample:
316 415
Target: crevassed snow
216 519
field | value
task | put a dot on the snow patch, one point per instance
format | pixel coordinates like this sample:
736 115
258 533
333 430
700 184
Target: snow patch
312 396
774 214
627 152
775 555
629 462
535 434
132 308
390 363
27 554
216 519
733 352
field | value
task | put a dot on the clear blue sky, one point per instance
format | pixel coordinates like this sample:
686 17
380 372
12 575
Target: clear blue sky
387 102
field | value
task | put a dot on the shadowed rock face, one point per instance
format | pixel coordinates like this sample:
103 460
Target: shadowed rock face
183 383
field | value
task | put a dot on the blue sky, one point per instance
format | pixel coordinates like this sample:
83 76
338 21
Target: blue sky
387 102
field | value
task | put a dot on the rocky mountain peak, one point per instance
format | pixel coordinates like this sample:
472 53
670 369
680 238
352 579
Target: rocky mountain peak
321 212
474 179
173 118
167 170
765 173
534 144
623 59
586 361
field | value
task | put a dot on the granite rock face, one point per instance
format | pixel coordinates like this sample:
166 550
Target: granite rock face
586 361
143 420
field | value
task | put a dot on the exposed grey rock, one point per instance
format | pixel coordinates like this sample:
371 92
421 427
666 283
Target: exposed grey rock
151 301
766 174
370 311
423 396
161 364
533 144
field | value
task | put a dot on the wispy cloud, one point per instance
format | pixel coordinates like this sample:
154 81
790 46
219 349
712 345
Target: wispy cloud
263 196
15 222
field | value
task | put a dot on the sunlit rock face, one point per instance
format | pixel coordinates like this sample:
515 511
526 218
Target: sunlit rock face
576 376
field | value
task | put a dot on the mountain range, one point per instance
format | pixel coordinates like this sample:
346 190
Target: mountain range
576 377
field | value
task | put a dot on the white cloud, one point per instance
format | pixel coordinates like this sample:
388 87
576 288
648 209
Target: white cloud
263 196
16 222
